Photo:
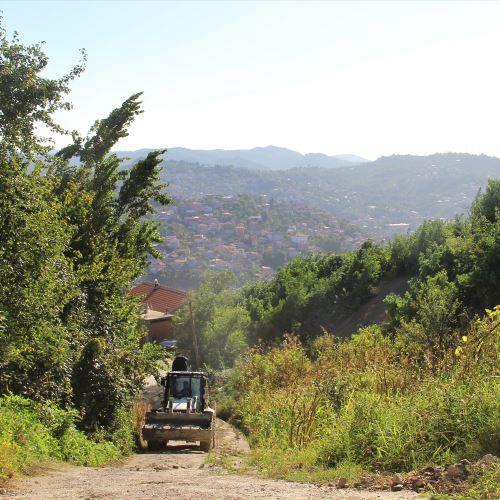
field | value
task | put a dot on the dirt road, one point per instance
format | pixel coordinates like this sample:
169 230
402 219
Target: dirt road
179 472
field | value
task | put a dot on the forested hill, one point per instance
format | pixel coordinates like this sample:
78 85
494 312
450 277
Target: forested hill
420 388
261 158
394 193
449 271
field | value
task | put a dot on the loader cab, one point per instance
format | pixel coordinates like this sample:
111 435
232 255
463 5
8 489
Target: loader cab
186 390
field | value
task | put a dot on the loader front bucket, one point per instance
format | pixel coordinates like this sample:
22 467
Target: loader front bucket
162 427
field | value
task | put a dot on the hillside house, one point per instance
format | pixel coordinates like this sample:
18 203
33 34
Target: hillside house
160 302
299 239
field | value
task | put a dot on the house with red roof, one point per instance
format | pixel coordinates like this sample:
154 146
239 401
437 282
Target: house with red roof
160 302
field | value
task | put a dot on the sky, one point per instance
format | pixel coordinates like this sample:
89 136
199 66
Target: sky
366 78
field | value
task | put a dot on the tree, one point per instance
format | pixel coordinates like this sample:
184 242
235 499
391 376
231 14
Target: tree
438 310
27 99
73 238
219 321
35 285
111 243
487 204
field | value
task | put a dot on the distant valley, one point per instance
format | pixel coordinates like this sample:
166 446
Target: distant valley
318 209
390 190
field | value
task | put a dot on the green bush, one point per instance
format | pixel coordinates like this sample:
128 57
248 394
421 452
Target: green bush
24 440
439 422
367 403
76 448
32 434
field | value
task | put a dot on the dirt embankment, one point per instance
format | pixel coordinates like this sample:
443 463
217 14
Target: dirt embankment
372 311
179 472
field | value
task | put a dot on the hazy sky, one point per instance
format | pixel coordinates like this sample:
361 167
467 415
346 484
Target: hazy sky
368 78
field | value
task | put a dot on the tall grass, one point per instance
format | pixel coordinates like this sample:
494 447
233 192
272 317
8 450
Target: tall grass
438 422
370 403
32 434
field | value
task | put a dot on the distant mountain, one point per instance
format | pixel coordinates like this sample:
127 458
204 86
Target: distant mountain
261 158
352 158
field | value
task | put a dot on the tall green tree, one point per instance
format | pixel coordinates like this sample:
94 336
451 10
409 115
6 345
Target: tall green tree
75 233
27 99
112 240
220 322
35 284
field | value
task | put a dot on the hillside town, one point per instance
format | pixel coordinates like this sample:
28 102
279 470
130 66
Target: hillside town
248 235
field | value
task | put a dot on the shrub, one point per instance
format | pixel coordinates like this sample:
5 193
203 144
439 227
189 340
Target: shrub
32 433
370 402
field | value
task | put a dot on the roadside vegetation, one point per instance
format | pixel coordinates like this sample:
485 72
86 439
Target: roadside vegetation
419 390
73 238
363 404
32 434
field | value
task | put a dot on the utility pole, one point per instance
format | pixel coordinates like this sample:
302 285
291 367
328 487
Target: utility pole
195 340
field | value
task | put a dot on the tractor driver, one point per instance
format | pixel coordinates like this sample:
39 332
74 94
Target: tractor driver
184 392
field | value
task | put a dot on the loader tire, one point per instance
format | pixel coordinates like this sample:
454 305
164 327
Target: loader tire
206 446
156 445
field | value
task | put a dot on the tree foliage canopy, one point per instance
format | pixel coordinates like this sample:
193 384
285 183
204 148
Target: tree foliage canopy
73 237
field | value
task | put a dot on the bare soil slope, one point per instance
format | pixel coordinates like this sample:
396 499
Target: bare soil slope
373 311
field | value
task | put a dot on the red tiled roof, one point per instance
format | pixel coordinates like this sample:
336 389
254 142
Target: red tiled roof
160 298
